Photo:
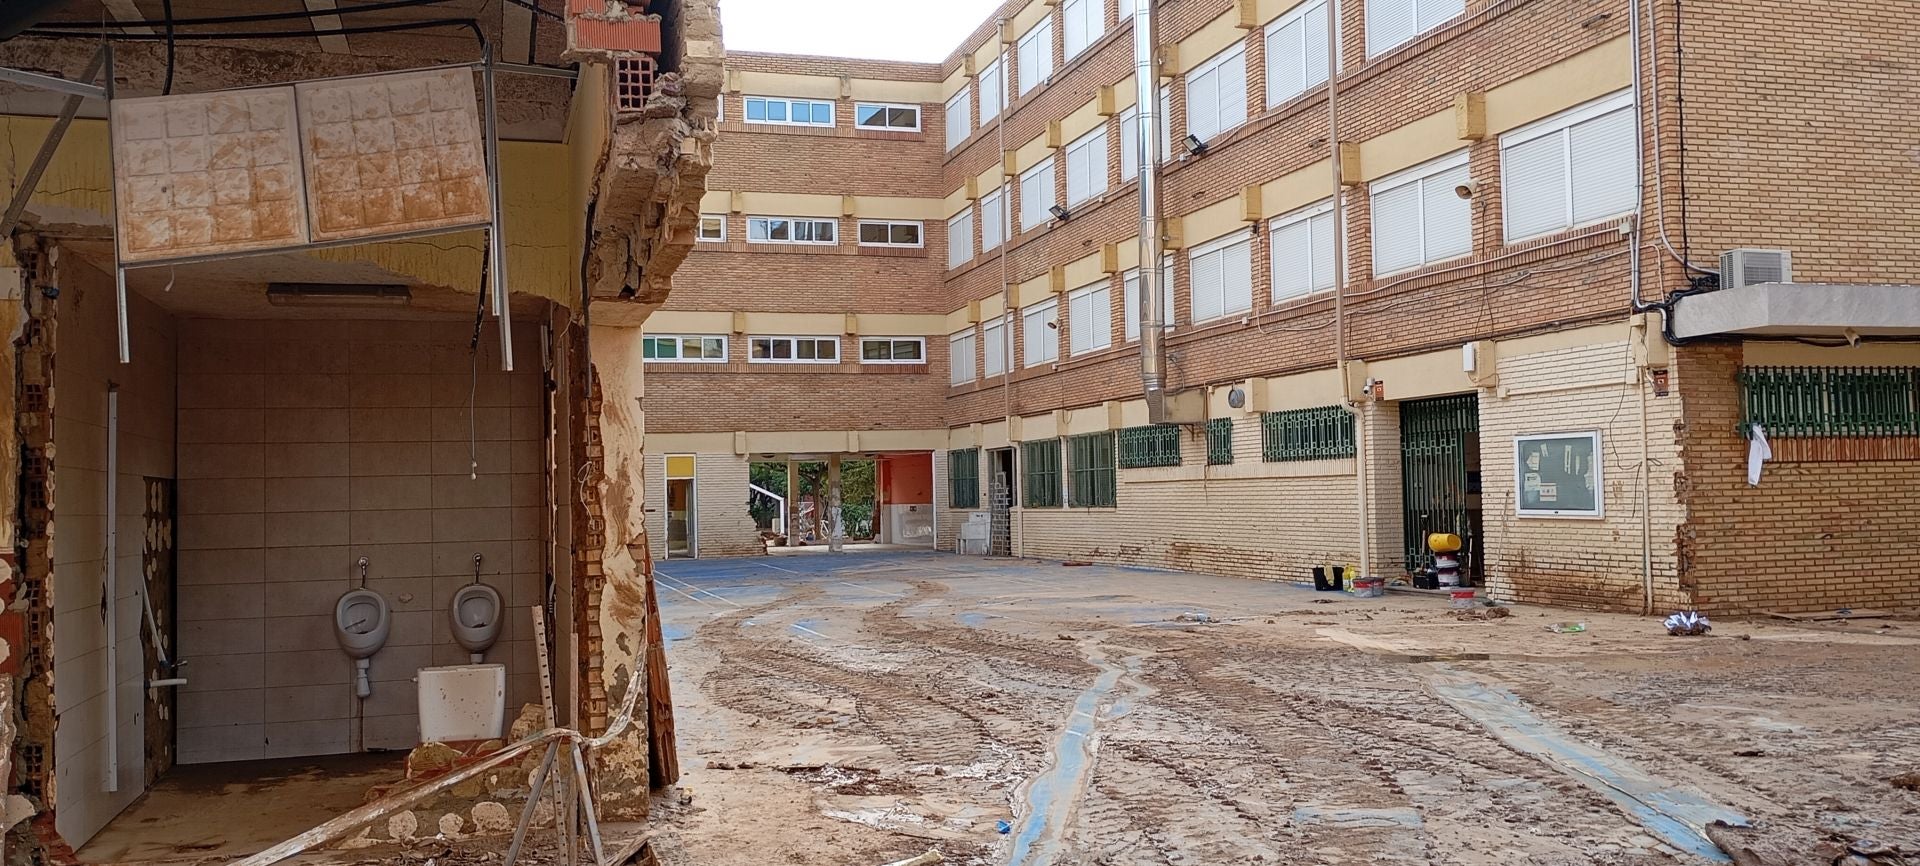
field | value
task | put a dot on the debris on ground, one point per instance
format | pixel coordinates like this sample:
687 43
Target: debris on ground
932 856
1076 563
1688 623
1909 780
1567 627
1483 614
1194 616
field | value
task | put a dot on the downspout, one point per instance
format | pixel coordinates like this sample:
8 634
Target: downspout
1016 541
1340 292
1153 344
1640 306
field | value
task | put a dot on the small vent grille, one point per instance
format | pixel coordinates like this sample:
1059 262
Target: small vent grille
1742 268
633 82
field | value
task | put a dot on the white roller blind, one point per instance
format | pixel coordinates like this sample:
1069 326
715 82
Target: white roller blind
1222 279
1035 55
993 91
1534 186
1085 21
1036 194
1217 93
960 239
1433 13
1396 229
1390 23
1606 165
1446 217
959 117
993 342
1087 167
1303 253
1130 143
960 355
993 219
1090 319
1040 333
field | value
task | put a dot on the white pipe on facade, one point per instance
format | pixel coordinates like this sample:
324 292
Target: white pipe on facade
1340 292
1640 306
1153 344
110 598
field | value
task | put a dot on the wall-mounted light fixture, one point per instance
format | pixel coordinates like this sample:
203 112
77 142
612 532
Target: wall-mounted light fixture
1194 145
1060 213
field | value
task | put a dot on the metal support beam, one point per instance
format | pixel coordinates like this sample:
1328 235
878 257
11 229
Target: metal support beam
85 89
31 180
496 241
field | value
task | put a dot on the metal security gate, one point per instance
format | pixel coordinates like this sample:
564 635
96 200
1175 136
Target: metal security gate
1440 476
1000 502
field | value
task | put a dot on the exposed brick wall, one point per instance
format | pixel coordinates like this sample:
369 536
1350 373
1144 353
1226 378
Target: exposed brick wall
1811 536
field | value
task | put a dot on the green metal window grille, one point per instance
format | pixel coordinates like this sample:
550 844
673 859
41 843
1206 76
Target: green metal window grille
1831 401
1153 445
963 478
1306 434
1040 464
1090 459
1219 441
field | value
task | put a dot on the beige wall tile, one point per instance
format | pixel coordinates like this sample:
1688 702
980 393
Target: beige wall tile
460 491
306 528
322 737
221 601
412 559
305 425
226 566
221 390
387 389
222 461
391 458
284 564
306 494
306 460
210 531
304 598
300 633
390 424
219 425
306 391
471 524
389 527
307 703
459 425
215 495
391 492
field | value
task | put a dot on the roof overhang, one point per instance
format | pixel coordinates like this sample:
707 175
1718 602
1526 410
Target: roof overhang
1800 310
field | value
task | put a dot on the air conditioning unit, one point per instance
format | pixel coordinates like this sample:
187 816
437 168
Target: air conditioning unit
1742 268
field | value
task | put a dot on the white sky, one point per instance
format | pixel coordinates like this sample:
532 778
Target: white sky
923 30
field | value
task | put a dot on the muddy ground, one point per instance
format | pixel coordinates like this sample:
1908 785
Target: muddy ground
864 708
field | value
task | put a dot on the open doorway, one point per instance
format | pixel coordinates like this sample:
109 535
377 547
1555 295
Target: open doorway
682 508
806 518
1000 496
1440 478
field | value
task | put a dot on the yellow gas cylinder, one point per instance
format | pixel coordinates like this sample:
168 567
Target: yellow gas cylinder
1443 542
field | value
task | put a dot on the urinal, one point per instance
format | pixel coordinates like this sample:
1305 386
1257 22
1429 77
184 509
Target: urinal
361 621
476 614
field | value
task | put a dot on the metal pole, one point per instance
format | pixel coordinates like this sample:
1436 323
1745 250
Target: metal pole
496 242
586 806
1153 346
110 600
1340 289
31 180
533 799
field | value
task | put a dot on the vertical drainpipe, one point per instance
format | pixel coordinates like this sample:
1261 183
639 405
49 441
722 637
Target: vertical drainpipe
1153 344
1340 286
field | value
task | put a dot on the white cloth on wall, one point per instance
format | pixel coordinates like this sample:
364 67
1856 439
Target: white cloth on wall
1758 453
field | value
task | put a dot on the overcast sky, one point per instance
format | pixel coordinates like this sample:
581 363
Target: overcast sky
924 30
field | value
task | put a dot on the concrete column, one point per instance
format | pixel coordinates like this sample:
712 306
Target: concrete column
793 504
836 528
621 769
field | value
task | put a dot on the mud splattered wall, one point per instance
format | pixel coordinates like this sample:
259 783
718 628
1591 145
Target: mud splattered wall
84 367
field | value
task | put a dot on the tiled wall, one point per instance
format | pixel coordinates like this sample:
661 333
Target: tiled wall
87 362
305 445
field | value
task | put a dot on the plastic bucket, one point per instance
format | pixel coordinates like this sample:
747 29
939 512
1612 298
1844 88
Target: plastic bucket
1462 598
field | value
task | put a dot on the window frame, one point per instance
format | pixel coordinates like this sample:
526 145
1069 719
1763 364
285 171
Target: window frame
999 325
700 228
1092 470
1094 159
968 481
746 111
1213 66
1415 31
1043 486
1042 33
1562 124
971 336
919 228
1148 446
888 108
1306 215
1218 245
998 72
1027 343
1220 441
1003 219
1599 509
894 341
679 341
1094 26
1027 203
1100 311
961 104
793 341
1298 15
1418 174
1315 433
958 235
769 220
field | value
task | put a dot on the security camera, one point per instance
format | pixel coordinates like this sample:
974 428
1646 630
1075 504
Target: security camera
1466 190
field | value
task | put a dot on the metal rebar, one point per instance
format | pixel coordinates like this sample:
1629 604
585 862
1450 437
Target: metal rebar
586 806
534 790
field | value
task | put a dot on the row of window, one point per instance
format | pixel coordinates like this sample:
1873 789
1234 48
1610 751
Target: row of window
1577 168
815 231
712 349
1089 311
789 111
1089 477
1296 51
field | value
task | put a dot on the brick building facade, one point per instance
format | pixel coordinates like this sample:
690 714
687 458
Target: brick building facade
1529 189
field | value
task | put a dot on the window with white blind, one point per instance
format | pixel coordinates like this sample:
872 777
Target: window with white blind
1303 251
1040 333
993 91
960 238
1034 54
993 219
1130 135
959 117
1089 318
794 350
960 357
1222 277
1130 299
891 233
1297 52
791 112
1083 22
1036 194
1087 166
1577 167
1418 218
1217 93
713 228
993 344
1392 23
1126 11
791 230
886 116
